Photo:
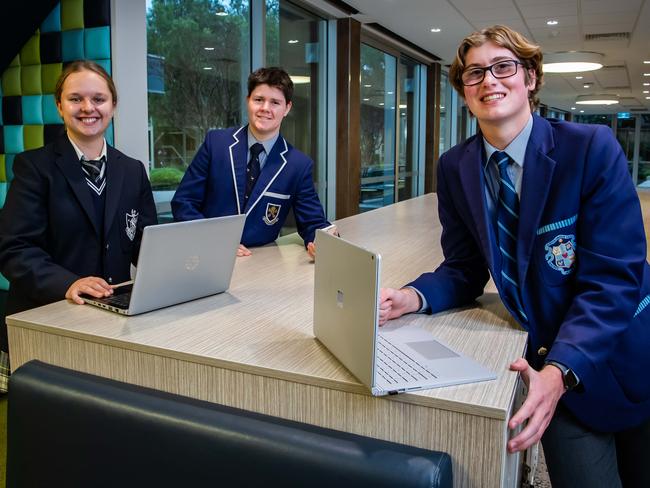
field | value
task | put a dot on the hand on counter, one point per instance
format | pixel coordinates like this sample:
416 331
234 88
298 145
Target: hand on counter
243 251
90 285
395 303
545 388
311 247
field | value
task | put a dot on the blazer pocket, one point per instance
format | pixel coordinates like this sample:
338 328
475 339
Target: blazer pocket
279 196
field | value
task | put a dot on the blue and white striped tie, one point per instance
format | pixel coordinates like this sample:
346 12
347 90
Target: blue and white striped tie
507 226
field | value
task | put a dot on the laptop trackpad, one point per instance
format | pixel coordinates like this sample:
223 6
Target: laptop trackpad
431 350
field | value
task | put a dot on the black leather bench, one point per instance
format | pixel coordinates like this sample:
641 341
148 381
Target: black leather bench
72 429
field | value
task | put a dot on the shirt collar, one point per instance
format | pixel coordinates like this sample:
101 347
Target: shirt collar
268 144
80 152
517 148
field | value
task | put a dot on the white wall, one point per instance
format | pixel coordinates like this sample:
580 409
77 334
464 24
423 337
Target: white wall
129 70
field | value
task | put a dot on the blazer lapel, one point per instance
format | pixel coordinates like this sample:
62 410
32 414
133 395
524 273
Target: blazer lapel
70 166
114 179
237 152
535 186
273 165
472 179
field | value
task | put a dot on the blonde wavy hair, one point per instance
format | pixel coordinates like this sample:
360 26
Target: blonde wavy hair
528 53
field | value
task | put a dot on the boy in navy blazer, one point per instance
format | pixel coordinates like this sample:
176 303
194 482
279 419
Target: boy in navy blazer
253 170
548 208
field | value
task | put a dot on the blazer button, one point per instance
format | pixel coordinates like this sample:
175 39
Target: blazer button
110 279
542 351
108 246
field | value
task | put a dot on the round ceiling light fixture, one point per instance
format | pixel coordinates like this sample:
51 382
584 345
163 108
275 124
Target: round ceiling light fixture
597 100
572 62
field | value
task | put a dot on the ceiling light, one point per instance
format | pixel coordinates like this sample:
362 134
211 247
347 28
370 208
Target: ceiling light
646 91
647 98
573 108
221 13
597 99
366 99
207 68
300 80
402 105
209 48
367 86
579 77
646 62
646 84
552 22
582 111
586 85
293 41
572 62
381 104
435 29
646 74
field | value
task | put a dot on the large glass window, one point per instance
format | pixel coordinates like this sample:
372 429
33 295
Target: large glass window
392 109
378 87
198 63
409 90
296 40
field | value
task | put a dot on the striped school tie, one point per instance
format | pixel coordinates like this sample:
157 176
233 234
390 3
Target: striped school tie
507 226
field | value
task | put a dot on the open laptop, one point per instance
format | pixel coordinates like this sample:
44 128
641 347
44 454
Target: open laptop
178 262
389 360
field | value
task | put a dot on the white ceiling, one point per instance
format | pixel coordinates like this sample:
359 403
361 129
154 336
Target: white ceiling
623 71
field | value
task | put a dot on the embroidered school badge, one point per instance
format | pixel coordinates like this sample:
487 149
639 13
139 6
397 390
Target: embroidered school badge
561 253
131 221
272 213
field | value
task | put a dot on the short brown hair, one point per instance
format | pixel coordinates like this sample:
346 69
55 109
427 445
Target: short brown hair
84 65
528 53
273 76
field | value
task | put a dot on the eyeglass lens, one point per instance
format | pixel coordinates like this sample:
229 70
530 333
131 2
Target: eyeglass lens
502 69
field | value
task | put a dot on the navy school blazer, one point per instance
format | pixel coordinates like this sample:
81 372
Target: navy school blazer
581 254
49 236
215 182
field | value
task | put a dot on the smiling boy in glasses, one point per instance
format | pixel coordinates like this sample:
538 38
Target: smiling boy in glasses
548 208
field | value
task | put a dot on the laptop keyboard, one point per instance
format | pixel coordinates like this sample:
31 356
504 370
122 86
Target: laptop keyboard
396 366
120 301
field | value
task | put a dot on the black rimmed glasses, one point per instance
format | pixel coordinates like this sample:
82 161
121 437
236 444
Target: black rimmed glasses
502 69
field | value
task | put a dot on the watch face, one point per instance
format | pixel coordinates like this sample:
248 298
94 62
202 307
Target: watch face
570 380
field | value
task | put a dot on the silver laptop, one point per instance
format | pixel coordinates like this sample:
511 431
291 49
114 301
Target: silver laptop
179 262
389 360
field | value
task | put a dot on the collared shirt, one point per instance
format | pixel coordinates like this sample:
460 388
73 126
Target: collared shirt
268 145
80 152
517 152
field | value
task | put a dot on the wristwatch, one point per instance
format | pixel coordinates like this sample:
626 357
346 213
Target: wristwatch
569 378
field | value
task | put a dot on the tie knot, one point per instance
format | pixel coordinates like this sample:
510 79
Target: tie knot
256 150
93 166
501 160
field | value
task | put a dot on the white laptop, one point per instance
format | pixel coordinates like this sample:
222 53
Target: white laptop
389 360
179 262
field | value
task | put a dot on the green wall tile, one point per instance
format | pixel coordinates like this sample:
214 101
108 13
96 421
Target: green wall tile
30 80
31 51
50 113
49 75
13 135
11 85
72 14
33 136
15 61
4 284
3 173
32 106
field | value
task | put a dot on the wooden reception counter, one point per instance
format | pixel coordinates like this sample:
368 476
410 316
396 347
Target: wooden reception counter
253 348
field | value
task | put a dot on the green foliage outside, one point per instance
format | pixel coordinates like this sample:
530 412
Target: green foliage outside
205 58
165 178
